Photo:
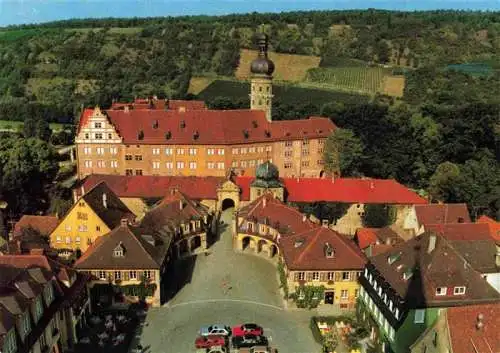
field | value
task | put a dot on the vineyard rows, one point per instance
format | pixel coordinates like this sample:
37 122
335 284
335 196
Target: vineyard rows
358 79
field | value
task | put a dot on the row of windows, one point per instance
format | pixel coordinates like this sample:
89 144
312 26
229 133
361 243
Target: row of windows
129 275
377 314
346 276
68 239
100 150
100 164
245 150
457 290
304 164
381 294
98 136
190 165
81 227
245 164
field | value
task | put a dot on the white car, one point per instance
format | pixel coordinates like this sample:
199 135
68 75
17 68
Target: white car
220 330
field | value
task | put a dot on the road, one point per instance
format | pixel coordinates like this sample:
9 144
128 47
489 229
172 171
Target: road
227 288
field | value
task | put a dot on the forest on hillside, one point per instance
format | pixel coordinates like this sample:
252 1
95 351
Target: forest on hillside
442 136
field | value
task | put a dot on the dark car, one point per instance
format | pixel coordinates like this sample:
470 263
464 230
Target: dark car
249 341
248 329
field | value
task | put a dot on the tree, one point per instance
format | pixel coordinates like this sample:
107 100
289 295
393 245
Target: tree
443 183
378 215
343 153
27 167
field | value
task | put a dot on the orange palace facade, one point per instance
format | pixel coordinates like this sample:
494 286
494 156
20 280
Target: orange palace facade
159 137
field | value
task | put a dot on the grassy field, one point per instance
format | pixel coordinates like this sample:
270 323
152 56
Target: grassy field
394 86
288 67
41 86
112 30
198 84
7 125
289 94
357 79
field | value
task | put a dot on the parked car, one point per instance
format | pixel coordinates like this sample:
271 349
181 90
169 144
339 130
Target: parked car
249 341
217 349
209 341
219 330
247 329
256 349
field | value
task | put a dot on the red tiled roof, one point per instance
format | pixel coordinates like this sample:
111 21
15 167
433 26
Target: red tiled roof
310 254
346 190
465 336
84 117
366 237
461 231
201 188
188 105
493 225
286 219
220 127
442 213
25 261
43 224
378 249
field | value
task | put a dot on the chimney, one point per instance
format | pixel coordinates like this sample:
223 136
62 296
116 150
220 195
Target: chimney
480 323
124 222
181 206
126 109
432 244
304 218
372 186
264 202
105 200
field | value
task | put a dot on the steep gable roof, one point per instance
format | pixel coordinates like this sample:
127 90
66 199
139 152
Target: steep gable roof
43 224
432 262
174 209
473 241
442 213
466 336
268 210
306 251
108 207
220 127
138 254
368 236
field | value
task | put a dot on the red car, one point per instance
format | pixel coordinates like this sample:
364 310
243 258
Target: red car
210 341
247 329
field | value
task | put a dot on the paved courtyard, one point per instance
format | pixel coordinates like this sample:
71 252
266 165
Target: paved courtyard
228 288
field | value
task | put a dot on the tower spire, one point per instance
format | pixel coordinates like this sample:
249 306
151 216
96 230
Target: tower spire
262 69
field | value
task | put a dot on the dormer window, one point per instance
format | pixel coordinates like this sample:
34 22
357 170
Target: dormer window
250 226
407 274
328 250
459 290
298 243
440 291
183 124
390 305
140 135
168 135
379 291
396 313
119 251
155 124
393 258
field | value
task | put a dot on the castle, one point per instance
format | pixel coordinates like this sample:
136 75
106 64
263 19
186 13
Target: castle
183 138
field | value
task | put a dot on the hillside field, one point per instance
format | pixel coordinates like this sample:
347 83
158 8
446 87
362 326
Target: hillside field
364 80
288 67
287 94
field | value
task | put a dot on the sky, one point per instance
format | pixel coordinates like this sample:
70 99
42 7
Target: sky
36 11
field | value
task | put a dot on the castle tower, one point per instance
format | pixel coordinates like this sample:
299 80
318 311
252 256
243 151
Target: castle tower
261 90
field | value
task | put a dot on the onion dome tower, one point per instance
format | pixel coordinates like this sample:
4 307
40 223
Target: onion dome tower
267 179
262 68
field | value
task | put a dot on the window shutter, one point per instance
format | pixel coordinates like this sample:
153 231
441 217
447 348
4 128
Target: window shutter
125 275
323 277
309 276
295 276
338 276
354 275
153 274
